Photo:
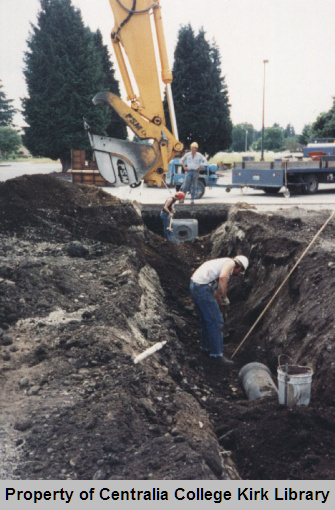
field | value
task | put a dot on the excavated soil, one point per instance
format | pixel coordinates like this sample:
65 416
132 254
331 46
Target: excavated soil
86 286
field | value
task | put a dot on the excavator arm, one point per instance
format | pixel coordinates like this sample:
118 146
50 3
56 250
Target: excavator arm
123 162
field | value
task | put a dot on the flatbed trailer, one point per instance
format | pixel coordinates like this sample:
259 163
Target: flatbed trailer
271 177
294 176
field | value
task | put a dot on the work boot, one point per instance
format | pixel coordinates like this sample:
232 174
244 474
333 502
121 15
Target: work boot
220 361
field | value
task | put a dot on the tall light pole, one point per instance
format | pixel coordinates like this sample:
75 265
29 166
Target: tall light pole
246 140
262 154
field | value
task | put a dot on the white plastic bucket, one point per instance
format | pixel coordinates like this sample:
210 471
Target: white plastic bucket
294 385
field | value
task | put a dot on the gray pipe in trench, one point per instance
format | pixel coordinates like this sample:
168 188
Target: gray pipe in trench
256 381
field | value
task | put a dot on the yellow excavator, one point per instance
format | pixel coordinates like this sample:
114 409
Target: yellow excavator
136 36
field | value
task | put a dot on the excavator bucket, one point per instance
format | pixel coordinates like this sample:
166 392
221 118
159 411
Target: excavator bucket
121 162
136 47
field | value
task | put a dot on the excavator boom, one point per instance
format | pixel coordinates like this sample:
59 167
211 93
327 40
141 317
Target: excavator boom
134 45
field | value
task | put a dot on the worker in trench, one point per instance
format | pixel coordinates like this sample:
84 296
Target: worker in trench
209 287
168 211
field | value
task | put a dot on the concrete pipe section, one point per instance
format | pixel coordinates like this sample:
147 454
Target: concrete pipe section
256 380
184 230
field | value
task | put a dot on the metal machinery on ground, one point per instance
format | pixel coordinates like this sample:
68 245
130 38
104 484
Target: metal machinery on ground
208 177
122 162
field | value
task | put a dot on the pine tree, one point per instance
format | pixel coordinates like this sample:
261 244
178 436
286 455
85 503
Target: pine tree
7 111
63 71
289 131
200 93
116 126
220 137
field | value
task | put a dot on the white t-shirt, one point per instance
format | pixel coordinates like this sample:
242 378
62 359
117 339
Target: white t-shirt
209 271
194 162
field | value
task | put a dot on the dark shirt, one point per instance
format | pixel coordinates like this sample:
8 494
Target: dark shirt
170 206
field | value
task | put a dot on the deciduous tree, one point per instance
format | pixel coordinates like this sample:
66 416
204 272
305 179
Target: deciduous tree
10 141
324 126
243 136
306 134
273 139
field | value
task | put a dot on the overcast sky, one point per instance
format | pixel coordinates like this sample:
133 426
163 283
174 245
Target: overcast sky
297 37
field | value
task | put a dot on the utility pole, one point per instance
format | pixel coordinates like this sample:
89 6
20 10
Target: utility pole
262 153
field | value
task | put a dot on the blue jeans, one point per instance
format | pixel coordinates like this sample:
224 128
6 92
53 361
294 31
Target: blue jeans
166 218
191 181
211 320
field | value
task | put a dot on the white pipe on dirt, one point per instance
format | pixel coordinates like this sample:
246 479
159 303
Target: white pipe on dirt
156 347
285 280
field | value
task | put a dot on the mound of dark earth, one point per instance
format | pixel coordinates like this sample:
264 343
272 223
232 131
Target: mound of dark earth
85 287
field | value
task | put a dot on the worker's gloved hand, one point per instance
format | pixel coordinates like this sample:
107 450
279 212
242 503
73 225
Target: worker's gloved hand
225 302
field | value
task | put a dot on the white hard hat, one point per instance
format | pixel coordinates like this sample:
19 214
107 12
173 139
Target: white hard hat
242 261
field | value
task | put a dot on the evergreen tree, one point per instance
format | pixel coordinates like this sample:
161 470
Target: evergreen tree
200 93
7 111
116 126
289 131
291 142
63 71
181 85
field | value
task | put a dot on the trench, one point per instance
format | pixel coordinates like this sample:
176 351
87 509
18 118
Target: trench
208 218
265 439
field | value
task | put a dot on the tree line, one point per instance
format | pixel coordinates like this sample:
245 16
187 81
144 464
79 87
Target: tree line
66 64
276 138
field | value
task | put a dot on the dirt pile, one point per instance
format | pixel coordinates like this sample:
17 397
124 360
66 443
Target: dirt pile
85 287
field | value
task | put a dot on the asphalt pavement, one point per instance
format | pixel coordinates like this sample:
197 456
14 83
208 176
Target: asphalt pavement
9 170
323 199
